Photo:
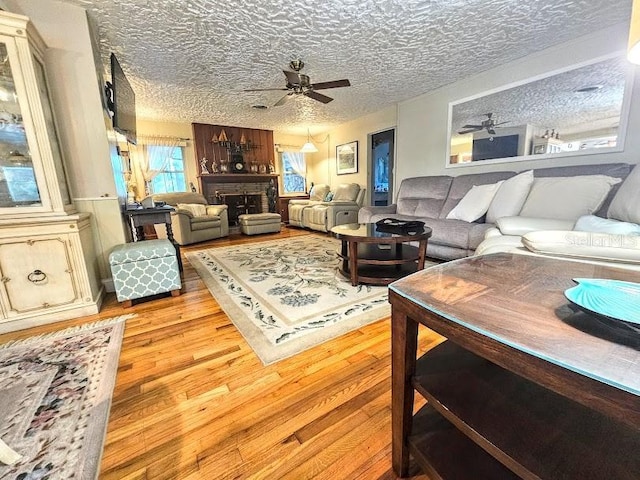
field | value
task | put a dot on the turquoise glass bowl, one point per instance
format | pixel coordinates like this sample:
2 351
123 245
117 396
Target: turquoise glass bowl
611 298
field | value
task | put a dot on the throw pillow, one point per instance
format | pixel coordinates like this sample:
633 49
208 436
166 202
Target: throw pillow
329 197
567 198
475 203
587 245
510 197
625 205
196 209
591 223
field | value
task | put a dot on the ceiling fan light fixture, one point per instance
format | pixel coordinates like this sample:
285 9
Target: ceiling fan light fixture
308 147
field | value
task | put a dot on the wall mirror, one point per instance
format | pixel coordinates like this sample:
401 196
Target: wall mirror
578 111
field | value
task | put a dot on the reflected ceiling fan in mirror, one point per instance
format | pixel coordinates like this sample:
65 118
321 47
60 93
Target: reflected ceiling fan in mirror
489 125
300 84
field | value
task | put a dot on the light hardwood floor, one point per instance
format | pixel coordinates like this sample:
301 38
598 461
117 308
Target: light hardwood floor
192 401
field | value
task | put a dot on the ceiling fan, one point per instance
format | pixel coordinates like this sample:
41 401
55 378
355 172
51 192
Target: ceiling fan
489 125
300 84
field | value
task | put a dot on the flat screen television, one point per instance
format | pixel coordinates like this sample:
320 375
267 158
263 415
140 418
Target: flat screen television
497 147
123 102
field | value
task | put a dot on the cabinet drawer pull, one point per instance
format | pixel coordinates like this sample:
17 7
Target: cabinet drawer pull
37 276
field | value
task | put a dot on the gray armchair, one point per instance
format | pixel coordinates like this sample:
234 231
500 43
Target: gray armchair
343 208
194 220
297 207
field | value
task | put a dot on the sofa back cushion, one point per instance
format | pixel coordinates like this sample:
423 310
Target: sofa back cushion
319 192
463 183
179 197
423 196
567 198
346 192
625 205
615 170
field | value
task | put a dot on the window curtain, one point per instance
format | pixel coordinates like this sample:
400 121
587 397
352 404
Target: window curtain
296 160
149 161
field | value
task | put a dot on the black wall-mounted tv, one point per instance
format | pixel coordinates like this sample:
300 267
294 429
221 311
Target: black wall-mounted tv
123 102
496 147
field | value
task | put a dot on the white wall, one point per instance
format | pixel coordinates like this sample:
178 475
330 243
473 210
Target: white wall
422 121
323 163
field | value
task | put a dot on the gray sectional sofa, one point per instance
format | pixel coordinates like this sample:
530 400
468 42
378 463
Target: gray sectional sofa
431 198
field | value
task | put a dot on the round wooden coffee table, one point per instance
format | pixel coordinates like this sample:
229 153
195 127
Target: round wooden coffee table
378 257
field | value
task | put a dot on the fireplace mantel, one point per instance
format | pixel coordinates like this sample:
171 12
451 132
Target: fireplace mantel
238 177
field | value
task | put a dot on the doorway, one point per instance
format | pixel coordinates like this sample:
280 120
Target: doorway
381 167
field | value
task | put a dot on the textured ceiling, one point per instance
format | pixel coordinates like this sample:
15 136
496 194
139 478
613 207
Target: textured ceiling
189 60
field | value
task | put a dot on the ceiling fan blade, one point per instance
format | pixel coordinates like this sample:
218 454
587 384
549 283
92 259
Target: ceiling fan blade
334 84
464 132
473 126
292 77
318 96
265 89
501 123
283 100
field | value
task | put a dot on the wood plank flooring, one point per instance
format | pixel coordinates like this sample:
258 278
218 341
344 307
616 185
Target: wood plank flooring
192 401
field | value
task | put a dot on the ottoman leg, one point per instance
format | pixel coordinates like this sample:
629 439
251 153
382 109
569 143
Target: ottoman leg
127 304
175 293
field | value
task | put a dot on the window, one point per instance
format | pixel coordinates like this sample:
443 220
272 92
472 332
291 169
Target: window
171 178
294 172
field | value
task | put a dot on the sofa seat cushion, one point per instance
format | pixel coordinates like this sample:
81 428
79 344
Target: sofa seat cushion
594 246
502 243
456 233
205 222
592 223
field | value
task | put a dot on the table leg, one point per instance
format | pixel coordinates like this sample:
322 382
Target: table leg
175 244
353 262
422 253
139 233
344 251
404 342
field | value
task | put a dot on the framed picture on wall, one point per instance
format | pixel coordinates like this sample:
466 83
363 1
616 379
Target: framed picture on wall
347 158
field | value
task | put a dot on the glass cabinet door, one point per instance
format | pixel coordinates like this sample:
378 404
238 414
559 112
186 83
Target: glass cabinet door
18 186
58 164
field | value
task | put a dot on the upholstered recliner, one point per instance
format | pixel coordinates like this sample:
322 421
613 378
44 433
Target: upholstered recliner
317 195
343 208
194 220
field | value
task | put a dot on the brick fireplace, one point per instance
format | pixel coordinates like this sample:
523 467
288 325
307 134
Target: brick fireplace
243 193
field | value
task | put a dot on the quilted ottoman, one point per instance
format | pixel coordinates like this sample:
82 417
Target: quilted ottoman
146 268
255 223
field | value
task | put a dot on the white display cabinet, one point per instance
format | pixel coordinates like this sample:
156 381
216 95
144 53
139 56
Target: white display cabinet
47 262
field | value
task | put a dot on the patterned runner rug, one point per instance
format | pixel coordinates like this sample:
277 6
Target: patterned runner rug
286 296
55 394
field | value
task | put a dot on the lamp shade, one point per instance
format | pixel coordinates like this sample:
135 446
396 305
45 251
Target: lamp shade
308 148
633 50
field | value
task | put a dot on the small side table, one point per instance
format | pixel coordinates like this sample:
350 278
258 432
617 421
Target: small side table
140 216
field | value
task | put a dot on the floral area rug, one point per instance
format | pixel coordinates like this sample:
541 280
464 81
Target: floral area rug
55 395
286 296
